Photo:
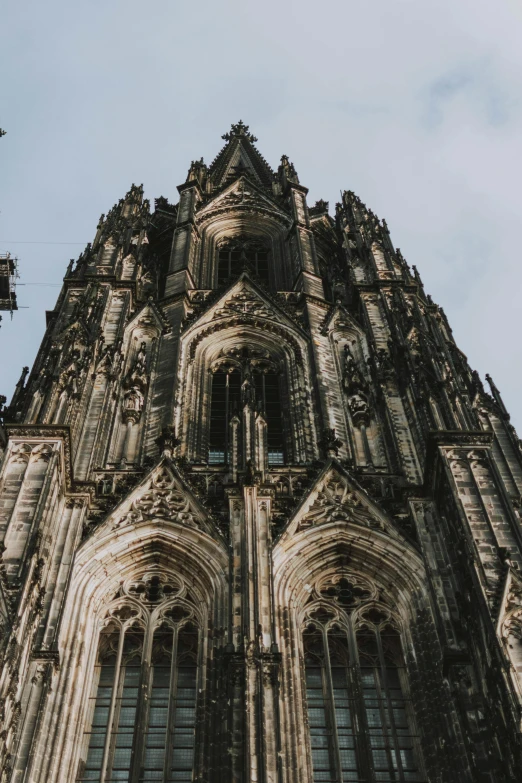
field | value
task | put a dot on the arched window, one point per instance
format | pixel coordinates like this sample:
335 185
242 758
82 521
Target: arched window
359 713
243 254
226 396
245 382
268 398
142 714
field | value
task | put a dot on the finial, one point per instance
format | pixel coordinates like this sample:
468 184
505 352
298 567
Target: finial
496 395
239 129
167 441
23 376
329 443
287 169
492 384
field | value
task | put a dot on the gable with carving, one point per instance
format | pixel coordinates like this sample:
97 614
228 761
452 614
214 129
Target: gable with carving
244 300
334 499
162 495
242 196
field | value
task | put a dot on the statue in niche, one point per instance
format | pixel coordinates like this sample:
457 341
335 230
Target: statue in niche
359 408
355 388
248 389
135 385
140 366
138 377
353 380
133 402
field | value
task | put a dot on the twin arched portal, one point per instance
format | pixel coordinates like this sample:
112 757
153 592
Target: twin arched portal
141 673
146 641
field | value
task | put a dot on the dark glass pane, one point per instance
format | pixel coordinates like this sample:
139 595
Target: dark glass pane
182 737
318 702
156 737
105 673
268 395
386 708
225 387
223 266
262 266
126 705
236 263
343 702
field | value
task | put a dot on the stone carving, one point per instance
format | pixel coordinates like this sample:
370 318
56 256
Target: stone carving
512 609
355 388
154 587
109 359
135 386
239 129
337 502
329 444
288 169
346 589
167 441
162 500
245 301
244 197
359 408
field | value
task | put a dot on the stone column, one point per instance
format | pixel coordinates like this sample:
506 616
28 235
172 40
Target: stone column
255 652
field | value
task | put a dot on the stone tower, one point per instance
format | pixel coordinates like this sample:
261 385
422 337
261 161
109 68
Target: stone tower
260 521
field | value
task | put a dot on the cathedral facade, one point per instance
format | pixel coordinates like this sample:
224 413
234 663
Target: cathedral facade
259 520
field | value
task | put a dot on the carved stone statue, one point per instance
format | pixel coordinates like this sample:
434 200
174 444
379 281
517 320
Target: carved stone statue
133 402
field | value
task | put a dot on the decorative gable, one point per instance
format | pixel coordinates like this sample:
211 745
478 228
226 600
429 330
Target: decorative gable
335 498
244 298
338 318
243 195
149 316
161 496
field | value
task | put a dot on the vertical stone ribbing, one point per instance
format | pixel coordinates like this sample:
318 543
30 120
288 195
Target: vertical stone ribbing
399 496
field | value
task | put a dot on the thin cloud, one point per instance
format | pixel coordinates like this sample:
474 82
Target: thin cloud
414 106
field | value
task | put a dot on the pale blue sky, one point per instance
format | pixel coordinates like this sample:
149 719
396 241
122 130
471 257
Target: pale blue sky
416 106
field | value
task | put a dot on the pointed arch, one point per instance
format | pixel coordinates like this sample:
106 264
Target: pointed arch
140 347
357 585
144 570
244 317
356 416
241 209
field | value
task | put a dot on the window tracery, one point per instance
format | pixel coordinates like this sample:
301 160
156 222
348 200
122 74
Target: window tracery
359 713
240 254
245 383
142 713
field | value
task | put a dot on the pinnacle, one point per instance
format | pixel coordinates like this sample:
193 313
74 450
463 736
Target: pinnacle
239 129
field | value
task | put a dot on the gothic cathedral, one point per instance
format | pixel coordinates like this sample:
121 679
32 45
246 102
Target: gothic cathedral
259 520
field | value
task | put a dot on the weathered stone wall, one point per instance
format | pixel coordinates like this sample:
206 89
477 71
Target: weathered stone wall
402 479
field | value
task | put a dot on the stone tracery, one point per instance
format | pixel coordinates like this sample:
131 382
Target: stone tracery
327 606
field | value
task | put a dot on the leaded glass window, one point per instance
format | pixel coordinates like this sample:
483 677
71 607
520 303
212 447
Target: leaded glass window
360 717
142 711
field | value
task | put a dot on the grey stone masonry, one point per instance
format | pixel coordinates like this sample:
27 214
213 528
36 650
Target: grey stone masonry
250 453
